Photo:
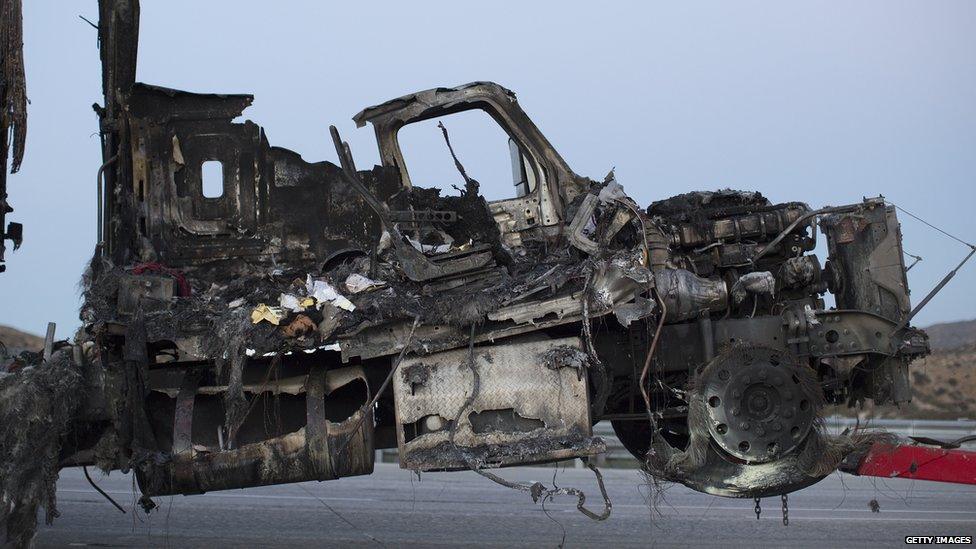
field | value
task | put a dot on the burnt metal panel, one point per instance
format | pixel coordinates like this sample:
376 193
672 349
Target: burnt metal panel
438 403
274 203
321 450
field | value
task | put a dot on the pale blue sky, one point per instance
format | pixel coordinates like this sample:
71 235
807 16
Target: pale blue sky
823 102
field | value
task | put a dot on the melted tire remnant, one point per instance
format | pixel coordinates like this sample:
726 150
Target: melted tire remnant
706 467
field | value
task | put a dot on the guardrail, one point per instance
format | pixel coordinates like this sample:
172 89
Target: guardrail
617 456
935 428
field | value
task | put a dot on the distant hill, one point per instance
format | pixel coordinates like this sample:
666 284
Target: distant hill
17 341
952 335
943 383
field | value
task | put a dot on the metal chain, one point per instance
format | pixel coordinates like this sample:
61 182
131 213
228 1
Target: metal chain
758 509
786 509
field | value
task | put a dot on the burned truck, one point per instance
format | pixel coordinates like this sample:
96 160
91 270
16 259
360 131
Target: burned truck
307 314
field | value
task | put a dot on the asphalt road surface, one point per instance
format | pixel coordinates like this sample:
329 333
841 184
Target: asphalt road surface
392 508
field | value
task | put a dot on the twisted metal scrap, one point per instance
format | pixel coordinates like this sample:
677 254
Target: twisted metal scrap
537 490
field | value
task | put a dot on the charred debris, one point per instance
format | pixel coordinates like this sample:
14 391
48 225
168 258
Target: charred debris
313 312
13 114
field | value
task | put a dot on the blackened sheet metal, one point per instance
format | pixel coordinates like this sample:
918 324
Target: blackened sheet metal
118 38
272 203
433 390
321 450
869 270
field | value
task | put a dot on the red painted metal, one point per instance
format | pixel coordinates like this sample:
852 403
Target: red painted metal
920 463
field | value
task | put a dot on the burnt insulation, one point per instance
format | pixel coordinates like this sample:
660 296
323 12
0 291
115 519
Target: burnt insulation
37 405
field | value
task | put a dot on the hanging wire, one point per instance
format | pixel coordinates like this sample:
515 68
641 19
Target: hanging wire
917 218
100 491
945 280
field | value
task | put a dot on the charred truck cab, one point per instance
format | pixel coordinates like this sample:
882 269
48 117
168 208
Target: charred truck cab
545 183
291 319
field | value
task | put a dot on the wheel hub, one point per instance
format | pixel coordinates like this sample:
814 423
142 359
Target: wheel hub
759 403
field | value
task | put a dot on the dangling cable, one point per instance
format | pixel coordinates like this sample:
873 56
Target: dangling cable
100 491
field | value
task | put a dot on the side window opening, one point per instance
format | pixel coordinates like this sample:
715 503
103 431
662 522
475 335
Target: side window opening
212 179
489 156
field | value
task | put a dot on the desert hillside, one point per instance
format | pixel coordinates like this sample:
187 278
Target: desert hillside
947 336
944 382
944 385
17 341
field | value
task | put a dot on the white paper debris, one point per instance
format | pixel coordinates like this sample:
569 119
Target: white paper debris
323 292
356 283
291 302
327 347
